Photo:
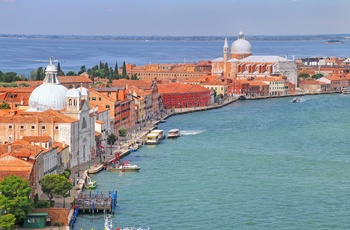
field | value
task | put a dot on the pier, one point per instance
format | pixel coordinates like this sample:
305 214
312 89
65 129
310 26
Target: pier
97 202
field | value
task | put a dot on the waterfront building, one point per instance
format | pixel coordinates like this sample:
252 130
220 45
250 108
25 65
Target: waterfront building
314 86
177 95
239 61
121 107
169 71
337 81
150 94
54 111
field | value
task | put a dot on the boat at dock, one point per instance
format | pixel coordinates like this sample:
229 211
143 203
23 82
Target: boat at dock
125 167
155 137
346 90
95 169
174 133
90 184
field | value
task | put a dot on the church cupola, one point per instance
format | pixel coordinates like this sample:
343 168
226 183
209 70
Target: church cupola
73 100
226 47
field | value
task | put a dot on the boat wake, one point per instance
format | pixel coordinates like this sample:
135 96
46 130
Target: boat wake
191 132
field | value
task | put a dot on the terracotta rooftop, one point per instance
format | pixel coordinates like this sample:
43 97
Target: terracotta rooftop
10 165
180 88
74 79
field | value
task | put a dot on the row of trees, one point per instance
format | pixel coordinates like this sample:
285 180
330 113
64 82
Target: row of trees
306 76
11 77
101 70
15 201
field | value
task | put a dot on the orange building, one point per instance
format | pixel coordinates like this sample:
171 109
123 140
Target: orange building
169 71
177 95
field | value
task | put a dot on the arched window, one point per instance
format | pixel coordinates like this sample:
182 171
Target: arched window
70 102
75 101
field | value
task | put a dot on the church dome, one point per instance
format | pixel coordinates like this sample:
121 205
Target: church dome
73 93
51 94
241 46
48 96
84 91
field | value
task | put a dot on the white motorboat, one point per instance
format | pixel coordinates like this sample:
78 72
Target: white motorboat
296 99
173 133
125 167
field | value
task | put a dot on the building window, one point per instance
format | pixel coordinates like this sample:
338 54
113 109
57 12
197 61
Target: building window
43 127
93 98
99 99
70 102
22 127
107 106
33 127
56 127
75 102
10 126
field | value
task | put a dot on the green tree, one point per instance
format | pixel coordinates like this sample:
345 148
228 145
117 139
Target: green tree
40 74
122 132
124 70
317 76
55 185
14 196
82 70
71 73
303 75
4 105
7 221
111 139
116 71
59 71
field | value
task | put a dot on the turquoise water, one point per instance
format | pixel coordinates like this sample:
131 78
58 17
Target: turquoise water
264 164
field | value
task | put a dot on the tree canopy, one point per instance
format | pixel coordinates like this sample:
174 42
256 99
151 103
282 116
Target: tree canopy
317 76
111 139
55 185
14 198
122 132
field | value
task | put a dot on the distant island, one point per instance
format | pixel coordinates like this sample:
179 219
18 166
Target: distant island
321 37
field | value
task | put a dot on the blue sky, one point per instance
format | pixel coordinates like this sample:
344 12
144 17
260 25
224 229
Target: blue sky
174 17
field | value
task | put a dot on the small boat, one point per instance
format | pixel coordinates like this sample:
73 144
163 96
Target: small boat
296 99
162 121
134 147
173 133
346 91
125 167
95 169
91 184
108 222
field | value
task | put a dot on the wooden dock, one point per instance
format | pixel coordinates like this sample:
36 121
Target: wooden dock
90 202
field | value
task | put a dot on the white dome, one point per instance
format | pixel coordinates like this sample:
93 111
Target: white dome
73 93
84 91
51 68
51 94
48 96
241 46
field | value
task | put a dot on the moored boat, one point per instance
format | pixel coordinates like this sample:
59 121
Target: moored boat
155 137
90 184
173 133
95 169
345 91
125 167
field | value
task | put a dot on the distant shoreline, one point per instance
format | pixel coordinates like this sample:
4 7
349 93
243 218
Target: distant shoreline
320 37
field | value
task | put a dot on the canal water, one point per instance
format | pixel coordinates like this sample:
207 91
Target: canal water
254 164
